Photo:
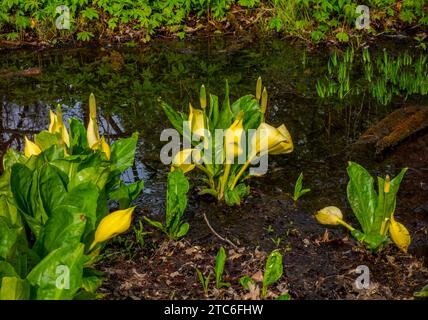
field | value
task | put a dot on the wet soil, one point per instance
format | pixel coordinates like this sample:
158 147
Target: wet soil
319 263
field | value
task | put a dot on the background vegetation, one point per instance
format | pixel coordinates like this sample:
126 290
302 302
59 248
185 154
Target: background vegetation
121 20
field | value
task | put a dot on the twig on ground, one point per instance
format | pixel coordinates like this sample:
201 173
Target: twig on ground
217 235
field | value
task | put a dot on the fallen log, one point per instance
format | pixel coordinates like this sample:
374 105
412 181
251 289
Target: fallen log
394 128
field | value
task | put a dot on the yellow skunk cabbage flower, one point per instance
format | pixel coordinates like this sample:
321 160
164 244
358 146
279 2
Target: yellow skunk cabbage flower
259 89
233 137
196 119
272 140
57 125
61 127
387 184
399 235
53 122
31 149
92 133
203 97
105 148
329 215
263 104
186 159
113 224
285 146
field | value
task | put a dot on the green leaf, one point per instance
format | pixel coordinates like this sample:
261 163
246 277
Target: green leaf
11 157
14 288
361 195
98 175
285 296
68 222
7 270
9 211
123 153
184 228
219 268
386 201
423 293
214 112
155 224
59 275
234 197
245 281
78 141
174 117
125 194
45 140
8 239
178 186
226 116
52 186
20 184
273 270
92 280
342 36
298 192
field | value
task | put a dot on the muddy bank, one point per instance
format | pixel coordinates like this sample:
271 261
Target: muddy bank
319 263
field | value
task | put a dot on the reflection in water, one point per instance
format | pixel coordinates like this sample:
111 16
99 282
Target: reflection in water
128 92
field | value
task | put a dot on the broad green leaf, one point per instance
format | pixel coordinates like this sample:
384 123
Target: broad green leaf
11 157
361 195
45 140
78 142
226 116
98 175
174 117
7 270
125 194
14 288
68 222
178 186
9 211
220 260
123 153
386 201
273 270
52 186
20 183
59 275
8 238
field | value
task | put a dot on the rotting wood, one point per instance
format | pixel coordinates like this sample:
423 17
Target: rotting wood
395 127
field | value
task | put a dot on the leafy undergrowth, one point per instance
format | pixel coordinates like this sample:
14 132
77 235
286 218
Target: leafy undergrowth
121 20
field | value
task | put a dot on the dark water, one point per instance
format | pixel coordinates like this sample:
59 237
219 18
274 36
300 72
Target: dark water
130 82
